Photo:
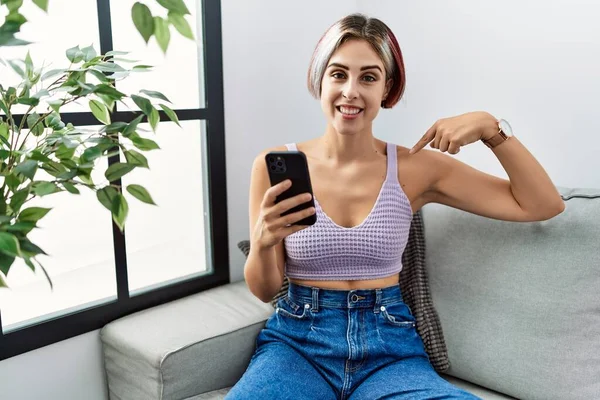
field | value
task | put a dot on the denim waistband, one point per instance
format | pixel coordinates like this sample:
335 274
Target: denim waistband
334 298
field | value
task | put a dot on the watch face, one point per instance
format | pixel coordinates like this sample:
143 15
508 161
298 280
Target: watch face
505 126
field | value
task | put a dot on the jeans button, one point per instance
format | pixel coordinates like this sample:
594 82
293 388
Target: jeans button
354 298
307 306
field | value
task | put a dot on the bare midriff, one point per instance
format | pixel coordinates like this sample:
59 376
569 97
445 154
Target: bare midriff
350 285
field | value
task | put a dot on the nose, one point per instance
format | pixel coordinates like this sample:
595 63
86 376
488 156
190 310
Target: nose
350 90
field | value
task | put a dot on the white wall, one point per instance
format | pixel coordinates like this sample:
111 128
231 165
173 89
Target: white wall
540 71
67 370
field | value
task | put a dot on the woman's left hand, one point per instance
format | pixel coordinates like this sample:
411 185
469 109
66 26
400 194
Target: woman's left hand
450 134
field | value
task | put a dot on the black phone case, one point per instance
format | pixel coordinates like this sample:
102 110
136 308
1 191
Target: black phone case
291 165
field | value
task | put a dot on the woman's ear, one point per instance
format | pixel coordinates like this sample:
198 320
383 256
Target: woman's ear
388 87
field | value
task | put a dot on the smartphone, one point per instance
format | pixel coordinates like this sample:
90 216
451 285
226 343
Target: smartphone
291 165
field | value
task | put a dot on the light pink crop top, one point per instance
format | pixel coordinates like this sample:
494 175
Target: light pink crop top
371 250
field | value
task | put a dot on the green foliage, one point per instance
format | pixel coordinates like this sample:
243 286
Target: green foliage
40 140
148 25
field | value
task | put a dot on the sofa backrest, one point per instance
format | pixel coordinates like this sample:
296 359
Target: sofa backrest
519 303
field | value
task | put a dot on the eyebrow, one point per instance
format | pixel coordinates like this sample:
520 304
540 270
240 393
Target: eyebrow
361 68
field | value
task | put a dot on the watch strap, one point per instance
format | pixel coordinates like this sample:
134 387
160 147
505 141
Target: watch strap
497 139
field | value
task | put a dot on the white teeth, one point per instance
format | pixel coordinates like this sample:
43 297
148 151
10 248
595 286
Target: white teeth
349 110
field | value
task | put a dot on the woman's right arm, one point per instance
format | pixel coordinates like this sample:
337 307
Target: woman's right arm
264 268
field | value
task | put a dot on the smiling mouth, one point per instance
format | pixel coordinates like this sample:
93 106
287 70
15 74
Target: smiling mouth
349 110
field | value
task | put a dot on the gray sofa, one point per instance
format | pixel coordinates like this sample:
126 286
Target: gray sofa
519 304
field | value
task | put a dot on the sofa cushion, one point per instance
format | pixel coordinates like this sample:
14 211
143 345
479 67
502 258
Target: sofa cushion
519 302
183 348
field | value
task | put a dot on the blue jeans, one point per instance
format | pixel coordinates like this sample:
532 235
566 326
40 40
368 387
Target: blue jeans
342 344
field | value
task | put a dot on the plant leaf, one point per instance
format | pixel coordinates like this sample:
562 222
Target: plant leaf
7 39
74 54
18 198
5 263
69 187
170 113
31 121
28 66
114 127
100 111
17 68
30 101
13 181
99 75
109 90
55 104
117 170
4 132
9 244
144 144
40 94
3 107
142 19
90 154
27 168
106 195
155 94
162 33
64 153
109 67
30 249
153 119
142 67
23 227
177 6
180 23
120 209
43 4
143 103
53 73
33 214
45 188
88 53
132 126
136 158
53 121
116 52
140 193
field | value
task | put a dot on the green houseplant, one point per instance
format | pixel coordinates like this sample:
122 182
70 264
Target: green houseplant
41 155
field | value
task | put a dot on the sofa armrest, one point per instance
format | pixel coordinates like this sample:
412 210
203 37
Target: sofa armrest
183 348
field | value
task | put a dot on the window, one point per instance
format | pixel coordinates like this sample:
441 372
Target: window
168 251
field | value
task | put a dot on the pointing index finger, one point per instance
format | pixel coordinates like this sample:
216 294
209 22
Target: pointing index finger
427 137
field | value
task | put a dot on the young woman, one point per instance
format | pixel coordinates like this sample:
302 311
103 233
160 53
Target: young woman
343 330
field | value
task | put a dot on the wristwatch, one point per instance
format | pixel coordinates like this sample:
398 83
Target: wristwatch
504 132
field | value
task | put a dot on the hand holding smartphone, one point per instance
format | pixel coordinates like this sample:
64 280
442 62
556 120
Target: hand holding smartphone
292 165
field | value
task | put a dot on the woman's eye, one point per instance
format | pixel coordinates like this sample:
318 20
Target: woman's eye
370 78
338 75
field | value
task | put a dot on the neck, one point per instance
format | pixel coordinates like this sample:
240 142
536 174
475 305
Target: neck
339 148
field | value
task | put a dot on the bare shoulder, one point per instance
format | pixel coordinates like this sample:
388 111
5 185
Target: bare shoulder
421 162
418 174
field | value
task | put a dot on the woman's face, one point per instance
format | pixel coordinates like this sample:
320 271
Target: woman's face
353 87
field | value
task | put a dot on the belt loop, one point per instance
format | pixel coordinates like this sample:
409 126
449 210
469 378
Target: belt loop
315 299
377 301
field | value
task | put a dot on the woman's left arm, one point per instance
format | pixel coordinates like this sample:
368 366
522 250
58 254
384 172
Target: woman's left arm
529 195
